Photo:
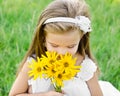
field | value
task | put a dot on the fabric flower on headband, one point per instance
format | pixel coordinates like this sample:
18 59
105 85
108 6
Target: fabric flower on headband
81 21
84 23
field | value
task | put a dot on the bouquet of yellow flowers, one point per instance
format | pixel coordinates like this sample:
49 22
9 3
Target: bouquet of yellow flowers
54 66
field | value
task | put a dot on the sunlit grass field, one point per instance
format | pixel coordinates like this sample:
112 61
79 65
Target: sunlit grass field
18 19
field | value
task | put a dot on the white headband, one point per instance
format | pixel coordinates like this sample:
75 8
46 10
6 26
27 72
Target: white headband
81 21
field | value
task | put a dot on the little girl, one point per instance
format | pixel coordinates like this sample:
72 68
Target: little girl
64 26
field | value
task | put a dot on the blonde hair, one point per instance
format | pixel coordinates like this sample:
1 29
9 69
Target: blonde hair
59 8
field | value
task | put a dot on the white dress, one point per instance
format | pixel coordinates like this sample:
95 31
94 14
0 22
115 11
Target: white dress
76 86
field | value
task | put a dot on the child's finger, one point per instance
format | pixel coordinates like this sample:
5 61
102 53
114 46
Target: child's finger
63 91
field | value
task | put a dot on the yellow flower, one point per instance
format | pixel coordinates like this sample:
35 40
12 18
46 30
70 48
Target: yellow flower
36 69
59 77
67 60
50 71
50 58
68 63
54 66
49 63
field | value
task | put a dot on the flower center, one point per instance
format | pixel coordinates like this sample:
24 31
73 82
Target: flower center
66 64
58 57
38 69
60 76
51 61
53 71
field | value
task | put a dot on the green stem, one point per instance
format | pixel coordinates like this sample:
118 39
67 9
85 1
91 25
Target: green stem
58 89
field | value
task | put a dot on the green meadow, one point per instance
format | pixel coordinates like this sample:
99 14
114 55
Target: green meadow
18 19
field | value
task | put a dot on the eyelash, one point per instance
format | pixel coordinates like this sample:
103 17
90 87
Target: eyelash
71 46
54 45
67 47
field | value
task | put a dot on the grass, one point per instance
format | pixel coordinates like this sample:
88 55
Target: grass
105 38
18 19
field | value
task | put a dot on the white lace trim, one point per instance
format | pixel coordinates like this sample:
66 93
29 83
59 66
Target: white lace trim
87 70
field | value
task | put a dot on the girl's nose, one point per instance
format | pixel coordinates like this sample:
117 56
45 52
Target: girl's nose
62 51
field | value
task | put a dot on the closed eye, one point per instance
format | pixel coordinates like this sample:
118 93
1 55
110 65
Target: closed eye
54 45
71 46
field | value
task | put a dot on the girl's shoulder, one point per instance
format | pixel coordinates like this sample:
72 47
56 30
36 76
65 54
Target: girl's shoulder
88 67
30 58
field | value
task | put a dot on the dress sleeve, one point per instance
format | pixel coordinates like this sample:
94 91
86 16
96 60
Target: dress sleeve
29 60
40 84
88 67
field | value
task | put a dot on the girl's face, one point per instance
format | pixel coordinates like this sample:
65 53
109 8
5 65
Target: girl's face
62 43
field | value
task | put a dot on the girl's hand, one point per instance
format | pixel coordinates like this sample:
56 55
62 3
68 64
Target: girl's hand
53 93
50 93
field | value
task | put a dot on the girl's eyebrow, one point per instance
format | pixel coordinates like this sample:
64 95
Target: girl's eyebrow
52 43
67 45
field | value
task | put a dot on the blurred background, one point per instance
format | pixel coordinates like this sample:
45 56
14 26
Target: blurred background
18 19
